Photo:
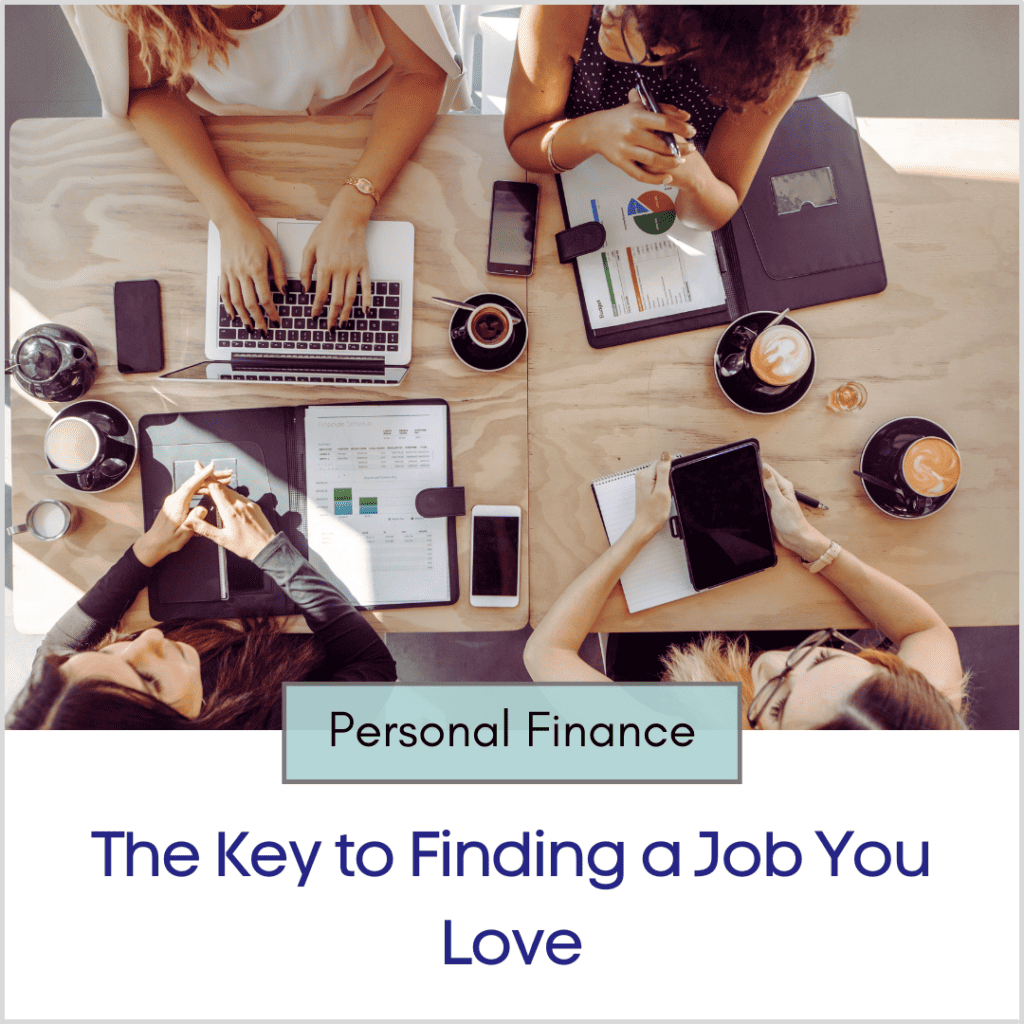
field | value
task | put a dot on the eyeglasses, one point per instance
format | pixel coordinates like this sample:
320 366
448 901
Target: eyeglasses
800 653
667 61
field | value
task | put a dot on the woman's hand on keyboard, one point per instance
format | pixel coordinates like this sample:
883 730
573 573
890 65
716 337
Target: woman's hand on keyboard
245 248
338 249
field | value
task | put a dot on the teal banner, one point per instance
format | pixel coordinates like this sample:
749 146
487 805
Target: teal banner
475 732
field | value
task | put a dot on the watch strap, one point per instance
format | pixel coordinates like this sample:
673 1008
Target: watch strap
830 554
365 186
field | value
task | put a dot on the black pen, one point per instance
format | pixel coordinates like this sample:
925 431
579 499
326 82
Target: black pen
651 105
807 500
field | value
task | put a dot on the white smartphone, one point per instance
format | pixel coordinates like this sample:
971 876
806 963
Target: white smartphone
494 556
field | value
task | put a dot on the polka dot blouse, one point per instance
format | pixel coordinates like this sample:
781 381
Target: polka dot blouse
599 83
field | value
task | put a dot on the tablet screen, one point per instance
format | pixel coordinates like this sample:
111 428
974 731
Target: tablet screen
724 517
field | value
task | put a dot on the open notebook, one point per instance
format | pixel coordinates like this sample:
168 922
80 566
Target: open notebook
660 572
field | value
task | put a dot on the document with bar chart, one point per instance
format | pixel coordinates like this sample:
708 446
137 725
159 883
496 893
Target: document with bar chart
364 467
651 265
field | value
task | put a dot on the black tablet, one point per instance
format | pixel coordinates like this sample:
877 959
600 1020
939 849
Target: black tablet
723 516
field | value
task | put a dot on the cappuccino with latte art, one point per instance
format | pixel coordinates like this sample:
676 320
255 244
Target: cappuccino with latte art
780 355
931 466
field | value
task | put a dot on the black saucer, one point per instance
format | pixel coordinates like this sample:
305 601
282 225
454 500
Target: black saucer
743 389
494 358
876 458
121 444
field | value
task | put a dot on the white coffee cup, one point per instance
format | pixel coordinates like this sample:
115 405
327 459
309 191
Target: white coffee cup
490 325
73 444
48 519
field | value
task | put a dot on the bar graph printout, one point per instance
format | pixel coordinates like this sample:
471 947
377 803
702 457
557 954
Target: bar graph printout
364 467
651 265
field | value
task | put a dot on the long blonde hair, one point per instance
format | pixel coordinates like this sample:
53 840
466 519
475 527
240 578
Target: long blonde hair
895 696
171 36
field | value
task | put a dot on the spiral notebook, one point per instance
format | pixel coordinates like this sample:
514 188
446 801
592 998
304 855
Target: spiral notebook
660 572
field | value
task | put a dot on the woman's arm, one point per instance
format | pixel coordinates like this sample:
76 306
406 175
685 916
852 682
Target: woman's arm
712 186
552 652
352 648
925 641
170 123
101 607
405 112
550 38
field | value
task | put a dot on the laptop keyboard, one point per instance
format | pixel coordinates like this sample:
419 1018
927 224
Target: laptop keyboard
372 329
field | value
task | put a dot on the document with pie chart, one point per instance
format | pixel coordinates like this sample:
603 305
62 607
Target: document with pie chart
651 265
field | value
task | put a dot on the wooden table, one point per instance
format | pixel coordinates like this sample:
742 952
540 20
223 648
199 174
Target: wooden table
939 342
90 204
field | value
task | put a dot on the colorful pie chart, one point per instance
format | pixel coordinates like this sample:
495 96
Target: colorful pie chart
653 212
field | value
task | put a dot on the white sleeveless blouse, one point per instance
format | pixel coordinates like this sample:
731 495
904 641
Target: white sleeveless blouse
300 62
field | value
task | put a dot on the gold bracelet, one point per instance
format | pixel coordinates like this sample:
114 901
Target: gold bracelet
365 186
556 168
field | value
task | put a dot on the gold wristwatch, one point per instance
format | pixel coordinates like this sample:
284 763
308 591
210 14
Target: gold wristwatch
365 186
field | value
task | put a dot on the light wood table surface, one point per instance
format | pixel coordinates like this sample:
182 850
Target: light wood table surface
939 342
90 204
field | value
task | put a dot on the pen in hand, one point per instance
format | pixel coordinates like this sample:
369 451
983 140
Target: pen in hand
651 105
806 499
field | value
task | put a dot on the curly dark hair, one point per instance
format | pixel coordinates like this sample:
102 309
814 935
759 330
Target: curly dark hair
743 53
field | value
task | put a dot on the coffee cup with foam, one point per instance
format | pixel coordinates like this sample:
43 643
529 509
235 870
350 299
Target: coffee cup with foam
74 444
779 356
928 466
489 326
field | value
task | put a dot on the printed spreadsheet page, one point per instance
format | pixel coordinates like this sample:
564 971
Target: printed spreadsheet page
364 467
651 264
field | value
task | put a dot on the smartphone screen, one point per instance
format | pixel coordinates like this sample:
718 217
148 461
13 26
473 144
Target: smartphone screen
724 516
513 228
137 327
495 568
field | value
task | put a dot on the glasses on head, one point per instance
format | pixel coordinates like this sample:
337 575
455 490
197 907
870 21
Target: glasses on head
800 653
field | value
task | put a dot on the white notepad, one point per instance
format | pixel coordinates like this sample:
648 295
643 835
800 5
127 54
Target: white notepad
660 572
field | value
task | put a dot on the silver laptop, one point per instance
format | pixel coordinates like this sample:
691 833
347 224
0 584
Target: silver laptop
374 346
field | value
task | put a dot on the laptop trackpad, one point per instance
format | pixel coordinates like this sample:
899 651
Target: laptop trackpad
292 237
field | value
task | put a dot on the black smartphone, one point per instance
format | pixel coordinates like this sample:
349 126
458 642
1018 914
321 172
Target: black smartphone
723 513
513 228
138 326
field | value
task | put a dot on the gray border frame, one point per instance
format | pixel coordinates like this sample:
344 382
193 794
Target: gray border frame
515 782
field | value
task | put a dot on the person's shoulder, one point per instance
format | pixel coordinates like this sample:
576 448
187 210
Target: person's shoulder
561 24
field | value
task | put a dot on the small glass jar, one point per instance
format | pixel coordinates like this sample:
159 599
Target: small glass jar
847 397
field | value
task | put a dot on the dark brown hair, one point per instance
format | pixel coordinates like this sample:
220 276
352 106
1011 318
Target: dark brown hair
242 671
743 53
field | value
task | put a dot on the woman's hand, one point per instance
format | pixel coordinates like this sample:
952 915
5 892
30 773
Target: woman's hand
244 530
174 523
338 249
791 526
246 246
653 498
624 136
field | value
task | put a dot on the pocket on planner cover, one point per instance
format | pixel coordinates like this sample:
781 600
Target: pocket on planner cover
814 239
